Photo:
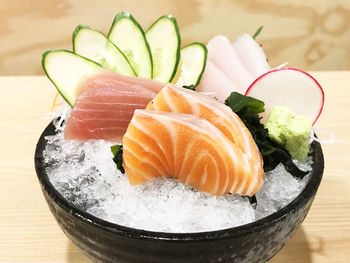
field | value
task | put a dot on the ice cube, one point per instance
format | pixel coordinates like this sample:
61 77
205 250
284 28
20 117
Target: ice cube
86 176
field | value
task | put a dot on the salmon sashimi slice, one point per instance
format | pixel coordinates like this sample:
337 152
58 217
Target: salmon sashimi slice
106 104
175 99
188 148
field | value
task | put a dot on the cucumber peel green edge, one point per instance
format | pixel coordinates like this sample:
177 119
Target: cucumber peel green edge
76 31
43 59
80 27
127 15
205 59
173 20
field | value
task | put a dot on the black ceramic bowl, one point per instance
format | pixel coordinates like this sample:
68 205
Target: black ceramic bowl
102 241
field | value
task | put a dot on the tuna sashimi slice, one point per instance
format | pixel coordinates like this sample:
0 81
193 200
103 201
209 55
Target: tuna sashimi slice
188 148
106 104
109 78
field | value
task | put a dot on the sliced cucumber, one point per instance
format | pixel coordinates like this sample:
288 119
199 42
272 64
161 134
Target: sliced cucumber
128 35
164 39
66 70
178 72
93 45
194 59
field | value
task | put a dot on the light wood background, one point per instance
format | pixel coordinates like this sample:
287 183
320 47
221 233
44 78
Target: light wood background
312 35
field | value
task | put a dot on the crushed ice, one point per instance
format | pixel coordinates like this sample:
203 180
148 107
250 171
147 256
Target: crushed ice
85 175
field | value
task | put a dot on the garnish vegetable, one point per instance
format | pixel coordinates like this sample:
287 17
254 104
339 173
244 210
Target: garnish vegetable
191 87
92 44
164 40
117 151
128 51
257 32
193 61
248 109
66 70
292 88
127 34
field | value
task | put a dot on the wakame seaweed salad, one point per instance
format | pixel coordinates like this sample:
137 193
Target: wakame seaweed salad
248 109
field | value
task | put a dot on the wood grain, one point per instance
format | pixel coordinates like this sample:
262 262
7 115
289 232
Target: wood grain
30 234
315 35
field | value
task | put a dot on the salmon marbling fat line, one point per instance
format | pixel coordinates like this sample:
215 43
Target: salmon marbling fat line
152 137
177 99
236 165
224 115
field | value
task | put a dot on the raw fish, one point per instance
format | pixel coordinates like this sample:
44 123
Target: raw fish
232 67
217 83
175 99
116 80
189 148
222 54
105 105
251 55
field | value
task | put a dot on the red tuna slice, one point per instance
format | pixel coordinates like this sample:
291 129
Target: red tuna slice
116 80
106 104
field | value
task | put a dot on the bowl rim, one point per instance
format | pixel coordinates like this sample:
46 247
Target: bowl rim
234 232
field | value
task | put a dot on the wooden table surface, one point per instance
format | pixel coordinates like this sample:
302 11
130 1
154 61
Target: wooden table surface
28 232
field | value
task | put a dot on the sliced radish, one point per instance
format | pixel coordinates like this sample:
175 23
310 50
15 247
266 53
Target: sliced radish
289 87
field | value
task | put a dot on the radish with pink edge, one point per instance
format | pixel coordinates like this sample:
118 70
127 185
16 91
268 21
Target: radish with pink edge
289 87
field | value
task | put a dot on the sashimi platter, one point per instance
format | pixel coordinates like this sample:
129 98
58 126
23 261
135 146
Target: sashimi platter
168 138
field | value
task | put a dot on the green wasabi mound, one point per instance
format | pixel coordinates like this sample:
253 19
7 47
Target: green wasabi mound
290 130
